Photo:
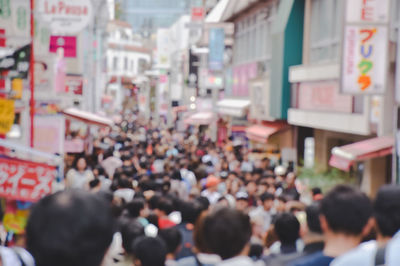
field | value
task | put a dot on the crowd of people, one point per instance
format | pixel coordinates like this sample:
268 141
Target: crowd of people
153 197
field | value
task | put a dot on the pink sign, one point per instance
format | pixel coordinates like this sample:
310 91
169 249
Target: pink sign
68 43
49 133
323 96
241 76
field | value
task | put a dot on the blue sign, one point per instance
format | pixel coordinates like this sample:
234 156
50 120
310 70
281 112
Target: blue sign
216 47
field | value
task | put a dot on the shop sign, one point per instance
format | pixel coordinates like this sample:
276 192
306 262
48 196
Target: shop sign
197 13
6 115
28 181
365 47
66 16
68 43
259 99
323 96
216 48
74 84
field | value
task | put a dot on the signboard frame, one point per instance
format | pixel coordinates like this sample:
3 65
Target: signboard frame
364 85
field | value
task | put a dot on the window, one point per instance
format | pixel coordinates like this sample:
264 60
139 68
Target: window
253 36
126 63
115 63
326 30
142 66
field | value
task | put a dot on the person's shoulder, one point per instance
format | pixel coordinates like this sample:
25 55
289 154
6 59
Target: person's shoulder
362 255
317 259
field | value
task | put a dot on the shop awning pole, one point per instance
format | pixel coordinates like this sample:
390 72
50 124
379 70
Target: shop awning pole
32 75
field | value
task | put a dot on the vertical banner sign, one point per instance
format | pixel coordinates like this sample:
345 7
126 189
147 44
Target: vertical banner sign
217 47
27 181
365 47
6 115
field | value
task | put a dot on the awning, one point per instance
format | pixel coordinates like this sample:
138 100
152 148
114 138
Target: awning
233 107
88 117
201 118
261 133
344 157
29 154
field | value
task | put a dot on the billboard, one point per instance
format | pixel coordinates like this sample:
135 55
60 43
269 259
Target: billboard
217 48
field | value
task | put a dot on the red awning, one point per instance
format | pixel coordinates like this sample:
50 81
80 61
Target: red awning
261 133
344 157
88 117
201 118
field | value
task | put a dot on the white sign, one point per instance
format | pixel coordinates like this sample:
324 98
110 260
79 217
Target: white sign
375 11
66 16
164 44
365 47
365 59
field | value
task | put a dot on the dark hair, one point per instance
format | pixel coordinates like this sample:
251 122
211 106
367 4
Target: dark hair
134 207
346 209
267 196
387 210
287 228
166 205
190 211
256 251
63 228
172 238
130 230
94 183
227 231
204 202
316 191
151 251
313 222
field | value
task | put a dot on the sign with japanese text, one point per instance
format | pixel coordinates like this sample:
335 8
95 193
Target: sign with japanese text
365 47
217 48
68 43
197 13
6 115
66 16
21 180
74 84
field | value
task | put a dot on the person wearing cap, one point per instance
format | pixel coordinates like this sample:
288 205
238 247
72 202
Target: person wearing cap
211 191
242 201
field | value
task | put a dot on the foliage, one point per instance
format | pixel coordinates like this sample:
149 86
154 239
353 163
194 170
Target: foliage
325 179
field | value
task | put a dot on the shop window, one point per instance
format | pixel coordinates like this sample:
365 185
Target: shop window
326 29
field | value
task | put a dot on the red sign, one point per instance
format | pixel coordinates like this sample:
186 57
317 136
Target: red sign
3 38
21 180
68 43
197 13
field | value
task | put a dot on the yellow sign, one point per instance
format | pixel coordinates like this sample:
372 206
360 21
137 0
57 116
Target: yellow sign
6 115
17 88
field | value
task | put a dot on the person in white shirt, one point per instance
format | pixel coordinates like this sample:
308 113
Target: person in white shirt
211 191
265 212
387 220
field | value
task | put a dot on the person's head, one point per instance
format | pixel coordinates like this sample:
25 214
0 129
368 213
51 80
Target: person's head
130 230
81 164
227 232
387 210
135 207
267 200
345 210
172 238
63 228
287 228
165 206
312 216
242 201
290 179
149 251
251 187
316 193
281 204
